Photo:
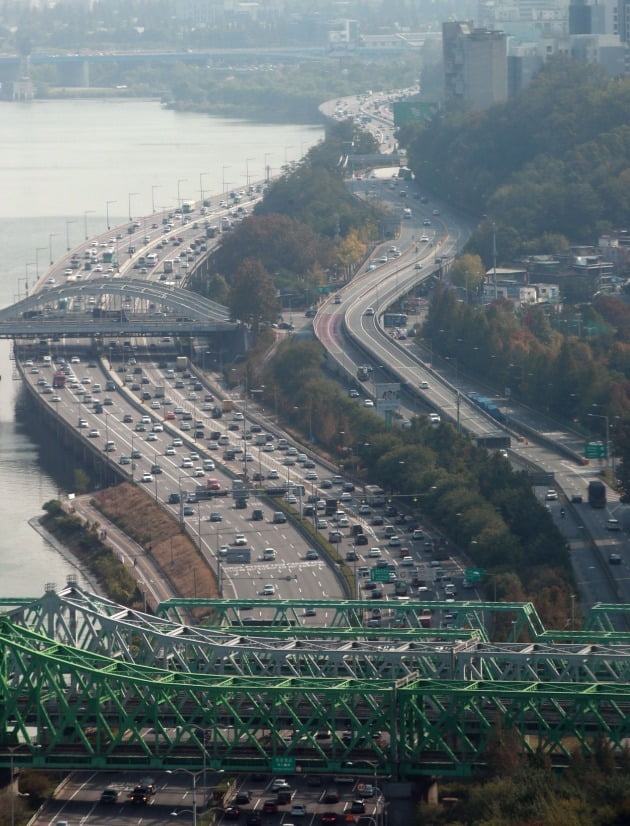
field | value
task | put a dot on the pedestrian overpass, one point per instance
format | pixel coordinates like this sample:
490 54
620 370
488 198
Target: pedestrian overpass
112 307
87 683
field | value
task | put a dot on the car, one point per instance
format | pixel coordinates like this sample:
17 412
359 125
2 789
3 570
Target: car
170 451
188 510
151 437
374 552
613 525
551 495
273 474
330 796
311 554
82 423
329 817
394 542
614 559
279 783
310 476
268 590
368 403
298 810
94 434
109 796
322 524
124 460
177 442
365 510
254 819
279 518
353 394
135 454
357 807
424 385
231 813
242 798
269 807
140 796
199 471
365 790
240 539
187 462
147 477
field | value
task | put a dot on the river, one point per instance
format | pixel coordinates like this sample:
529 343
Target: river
65 167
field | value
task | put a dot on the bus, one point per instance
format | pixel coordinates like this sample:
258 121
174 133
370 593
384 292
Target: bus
59 380
374 496
596 494
395 320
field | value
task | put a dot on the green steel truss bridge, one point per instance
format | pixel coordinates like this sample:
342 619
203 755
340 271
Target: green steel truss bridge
87 683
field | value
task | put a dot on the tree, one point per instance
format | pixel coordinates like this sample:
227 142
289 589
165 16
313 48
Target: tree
253 294
467 271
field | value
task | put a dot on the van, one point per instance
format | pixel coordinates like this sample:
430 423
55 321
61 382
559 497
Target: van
283 444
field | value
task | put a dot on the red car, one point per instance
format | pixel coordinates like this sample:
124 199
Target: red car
270 807
330 817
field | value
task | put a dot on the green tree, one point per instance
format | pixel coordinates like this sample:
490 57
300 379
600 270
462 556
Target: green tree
467 271
252 294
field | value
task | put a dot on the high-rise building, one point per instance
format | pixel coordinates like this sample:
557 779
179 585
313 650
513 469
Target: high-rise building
475 66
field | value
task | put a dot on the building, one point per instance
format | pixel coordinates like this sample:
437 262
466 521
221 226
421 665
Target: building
475 66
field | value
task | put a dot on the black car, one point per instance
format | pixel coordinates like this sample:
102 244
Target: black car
254 819
360 539
243 797
109 796
140 796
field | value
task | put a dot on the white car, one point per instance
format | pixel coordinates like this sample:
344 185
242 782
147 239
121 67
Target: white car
424 385
368 403
240 539
147 477
311 476
269 590
170 451
187 462
199 471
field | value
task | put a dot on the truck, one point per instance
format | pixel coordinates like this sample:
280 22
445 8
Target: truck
59 380
168 265
181 363
216 412
227 405
596 494
331 507
239 489
158 392
374 496
188 207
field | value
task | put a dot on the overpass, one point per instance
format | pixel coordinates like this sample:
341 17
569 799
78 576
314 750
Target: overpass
112 307
87 683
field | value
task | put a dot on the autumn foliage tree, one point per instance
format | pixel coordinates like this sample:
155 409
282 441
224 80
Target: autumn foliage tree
252 294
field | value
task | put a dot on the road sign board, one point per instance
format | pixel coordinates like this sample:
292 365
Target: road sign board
283 764
380 575
474 574
595 450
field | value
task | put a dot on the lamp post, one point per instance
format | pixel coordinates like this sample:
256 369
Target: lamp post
605 418
26 266
51 235
37 252
68 234
107 205
247 160
130 195
202 175
266 170
223 177
153 188
180 181
194 791
286 148
87 212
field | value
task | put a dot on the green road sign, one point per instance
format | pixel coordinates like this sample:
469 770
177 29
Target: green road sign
379 575
474 574
595 450
281 765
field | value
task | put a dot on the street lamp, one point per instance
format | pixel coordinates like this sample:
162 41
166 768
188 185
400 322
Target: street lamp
85 221
180 181
266 175
247 160
37 252
51 235
107 205
153 188
223 177
130 195
68 234
202 175
285 154
194 776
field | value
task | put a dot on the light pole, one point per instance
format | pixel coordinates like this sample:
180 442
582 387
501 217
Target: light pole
26 266
286 148
51 235
68 234
194 791
605 418
202 175
37 252
266 175
107 205
223 177
153 188
130 195
180 181
85 221
247 160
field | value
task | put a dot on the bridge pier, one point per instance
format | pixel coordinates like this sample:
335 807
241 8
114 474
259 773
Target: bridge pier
75 74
